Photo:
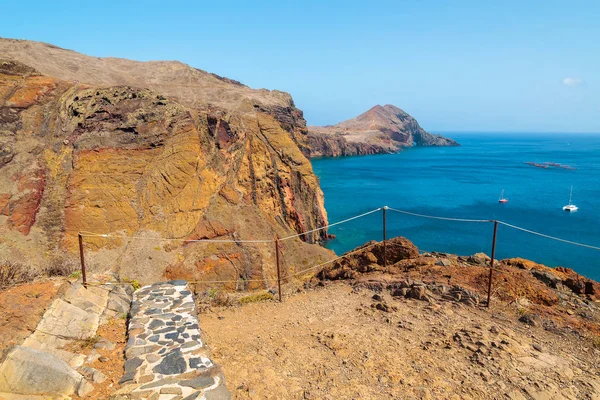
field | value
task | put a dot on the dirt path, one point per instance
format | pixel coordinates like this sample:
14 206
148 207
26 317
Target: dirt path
332 344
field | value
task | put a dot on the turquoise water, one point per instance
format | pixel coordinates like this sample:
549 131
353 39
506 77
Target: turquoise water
465 182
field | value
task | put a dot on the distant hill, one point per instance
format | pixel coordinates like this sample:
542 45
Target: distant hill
382 129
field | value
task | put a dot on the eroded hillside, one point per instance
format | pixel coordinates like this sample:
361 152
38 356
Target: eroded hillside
152 150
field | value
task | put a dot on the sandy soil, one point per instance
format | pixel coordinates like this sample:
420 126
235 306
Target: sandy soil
330 343
21 308
110 362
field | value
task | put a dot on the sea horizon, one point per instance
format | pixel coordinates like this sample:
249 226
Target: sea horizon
466 182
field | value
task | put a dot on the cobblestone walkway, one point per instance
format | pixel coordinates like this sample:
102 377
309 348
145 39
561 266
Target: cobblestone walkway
166 356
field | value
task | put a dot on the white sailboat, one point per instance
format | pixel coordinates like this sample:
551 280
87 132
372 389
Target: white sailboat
502 198
571 207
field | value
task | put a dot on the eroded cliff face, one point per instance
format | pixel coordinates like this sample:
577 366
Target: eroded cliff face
125 160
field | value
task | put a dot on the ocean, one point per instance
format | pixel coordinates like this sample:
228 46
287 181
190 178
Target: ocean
466 182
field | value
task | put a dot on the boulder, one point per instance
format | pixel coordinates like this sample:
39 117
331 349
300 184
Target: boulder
479 259
417 292
548 278
33 372
443 263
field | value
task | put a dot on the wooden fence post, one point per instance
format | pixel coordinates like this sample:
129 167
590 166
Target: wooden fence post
83 277
489 295
384 236
278 266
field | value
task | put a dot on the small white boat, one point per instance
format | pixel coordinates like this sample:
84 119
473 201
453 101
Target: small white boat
571 207
502 199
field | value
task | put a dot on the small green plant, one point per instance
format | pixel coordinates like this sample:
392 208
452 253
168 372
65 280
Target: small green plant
133 282
123 315
253 298
597 342
213 292
75 275
521 311
157 248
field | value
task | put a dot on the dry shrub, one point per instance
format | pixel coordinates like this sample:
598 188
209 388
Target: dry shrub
253 298
61 264
12 273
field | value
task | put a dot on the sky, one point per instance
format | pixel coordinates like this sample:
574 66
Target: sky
508 66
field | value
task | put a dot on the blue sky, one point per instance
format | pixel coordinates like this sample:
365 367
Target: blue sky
454 65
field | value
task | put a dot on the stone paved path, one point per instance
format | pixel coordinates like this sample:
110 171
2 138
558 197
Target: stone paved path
166 356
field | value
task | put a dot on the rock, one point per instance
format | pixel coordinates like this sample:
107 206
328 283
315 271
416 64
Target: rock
401 292
92 299
417 292
537 347
92 374
66 320
479 259
443 263
201 382
529 319
398 249
104 344
377 297
547 277
33 372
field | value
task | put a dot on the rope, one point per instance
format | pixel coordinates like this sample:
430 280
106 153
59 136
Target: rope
330 225
548 236
106 235
330 261
442 218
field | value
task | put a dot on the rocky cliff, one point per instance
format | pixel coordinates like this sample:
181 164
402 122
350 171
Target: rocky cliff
382 129
155 150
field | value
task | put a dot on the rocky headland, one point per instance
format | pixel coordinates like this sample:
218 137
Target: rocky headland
380 130
155 150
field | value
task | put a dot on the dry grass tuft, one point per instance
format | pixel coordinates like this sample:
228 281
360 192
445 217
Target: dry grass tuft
12 273
253 298
61 264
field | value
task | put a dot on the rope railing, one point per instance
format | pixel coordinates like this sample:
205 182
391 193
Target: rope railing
320 265
330 225
548 236
107 235
436 217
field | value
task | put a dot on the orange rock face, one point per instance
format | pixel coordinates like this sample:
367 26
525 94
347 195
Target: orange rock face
125 161
23 208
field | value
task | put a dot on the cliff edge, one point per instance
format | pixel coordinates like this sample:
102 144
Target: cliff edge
155 150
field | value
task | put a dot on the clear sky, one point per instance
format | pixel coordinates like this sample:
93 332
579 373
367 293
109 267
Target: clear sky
480 65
